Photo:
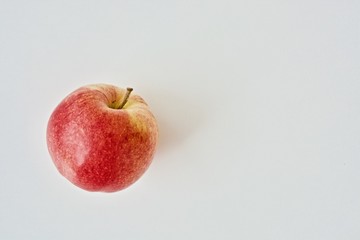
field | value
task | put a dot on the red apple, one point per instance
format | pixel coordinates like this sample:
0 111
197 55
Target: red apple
101 138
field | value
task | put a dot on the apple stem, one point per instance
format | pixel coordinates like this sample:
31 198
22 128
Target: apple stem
126 97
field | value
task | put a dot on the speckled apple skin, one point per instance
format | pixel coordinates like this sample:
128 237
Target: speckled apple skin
97 147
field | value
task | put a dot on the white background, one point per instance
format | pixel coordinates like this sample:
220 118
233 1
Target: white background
258 106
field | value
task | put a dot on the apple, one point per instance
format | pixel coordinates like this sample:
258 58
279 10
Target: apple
102 138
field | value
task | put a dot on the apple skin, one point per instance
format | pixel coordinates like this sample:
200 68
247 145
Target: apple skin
98 147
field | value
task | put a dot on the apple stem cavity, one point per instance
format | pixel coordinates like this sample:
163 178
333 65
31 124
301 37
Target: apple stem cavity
126 97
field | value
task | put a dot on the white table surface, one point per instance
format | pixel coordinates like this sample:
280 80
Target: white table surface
258 104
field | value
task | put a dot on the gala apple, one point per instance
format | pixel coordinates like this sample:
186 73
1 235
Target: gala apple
102 138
